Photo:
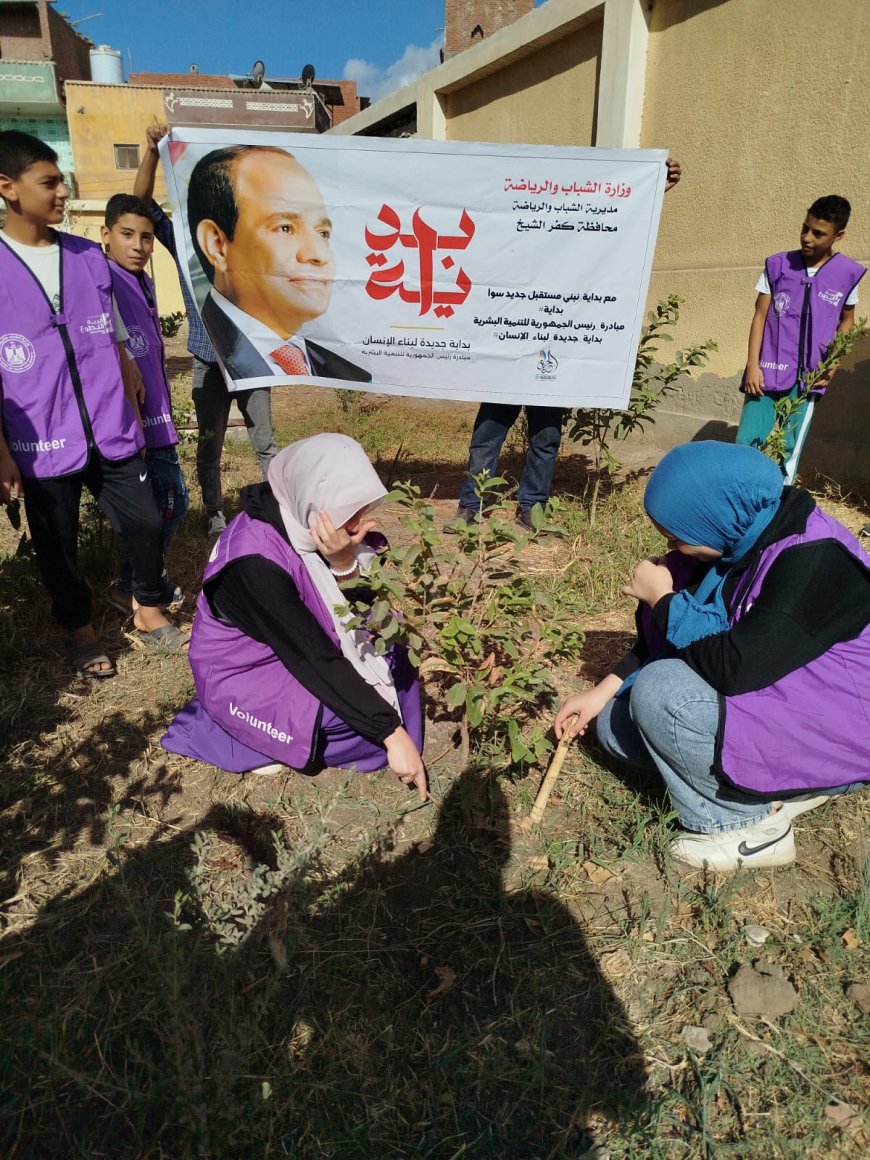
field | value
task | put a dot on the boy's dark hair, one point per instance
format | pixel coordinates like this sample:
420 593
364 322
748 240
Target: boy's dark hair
832 209
211 194
121 203
18 151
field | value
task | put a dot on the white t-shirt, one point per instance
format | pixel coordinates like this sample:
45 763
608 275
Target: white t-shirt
44 263
763 286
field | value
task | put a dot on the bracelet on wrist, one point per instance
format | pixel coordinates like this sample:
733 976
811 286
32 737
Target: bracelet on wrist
345 575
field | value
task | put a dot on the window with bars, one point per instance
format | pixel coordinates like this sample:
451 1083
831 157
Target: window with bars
126 156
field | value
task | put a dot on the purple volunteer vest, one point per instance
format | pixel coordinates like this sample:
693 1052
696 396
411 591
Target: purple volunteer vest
62 394
145 344
794 293
241 683
811 729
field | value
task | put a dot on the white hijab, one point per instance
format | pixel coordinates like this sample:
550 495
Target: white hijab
331 473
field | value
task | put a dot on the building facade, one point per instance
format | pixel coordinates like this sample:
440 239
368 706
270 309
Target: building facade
39 52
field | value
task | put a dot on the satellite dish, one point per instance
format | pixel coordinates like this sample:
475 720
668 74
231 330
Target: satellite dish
308 76
258 72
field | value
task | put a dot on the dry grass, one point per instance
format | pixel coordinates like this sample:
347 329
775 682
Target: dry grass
427 982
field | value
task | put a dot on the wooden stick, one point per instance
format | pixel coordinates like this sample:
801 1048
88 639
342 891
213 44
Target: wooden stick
552 773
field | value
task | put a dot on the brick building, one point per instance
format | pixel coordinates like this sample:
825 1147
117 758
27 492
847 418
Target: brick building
39 52
468 21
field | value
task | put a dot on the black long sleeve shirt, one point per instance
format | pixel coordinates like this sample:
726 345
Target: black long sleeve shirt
814 596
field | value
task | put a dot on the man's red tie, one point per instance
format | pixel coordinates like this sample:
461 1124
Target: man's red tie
290 359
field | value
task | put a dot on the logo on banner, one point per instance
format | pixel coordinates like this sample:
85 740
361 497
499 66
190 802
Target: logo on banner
548 364
781 302
427 244
137 343
17 353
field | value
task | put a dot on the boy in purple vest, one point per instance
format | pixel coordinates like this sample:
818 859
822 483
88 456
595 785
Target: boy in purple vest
128 239
69 416
805 297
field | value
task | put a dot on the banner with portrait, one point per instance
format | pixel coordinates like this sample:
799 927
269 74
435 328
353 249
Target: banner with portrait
445 270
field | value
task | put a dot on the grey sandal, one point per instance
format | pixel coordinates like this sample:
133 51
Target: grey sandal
168 637
84 656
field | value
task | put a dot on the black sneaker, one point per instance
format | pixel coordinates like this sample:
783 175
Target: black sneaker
466 515
523 517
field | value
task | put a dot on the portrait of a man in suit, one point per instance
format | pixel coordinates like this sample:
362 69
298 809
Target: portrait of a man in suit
262 235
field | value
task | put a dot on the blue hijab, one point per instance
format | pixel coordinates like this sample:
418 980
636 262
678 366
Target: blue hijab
723 496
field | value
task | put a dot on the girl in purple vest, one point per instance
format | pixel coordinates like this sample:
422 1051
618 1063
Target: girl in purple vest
128 238
746 690
804 298
69 415
280 679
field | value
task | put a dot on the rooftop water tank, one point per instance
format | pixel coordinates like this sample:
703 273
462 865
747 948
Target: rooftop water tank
107 68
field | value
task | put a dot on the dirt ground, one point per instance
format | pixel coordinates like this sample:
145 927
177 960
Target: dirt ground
87 789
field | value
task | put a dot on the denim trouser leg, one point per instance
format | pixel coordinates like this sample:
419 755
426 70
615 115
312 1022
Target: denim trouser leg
676 714
545 435
491 426
211 401
618 735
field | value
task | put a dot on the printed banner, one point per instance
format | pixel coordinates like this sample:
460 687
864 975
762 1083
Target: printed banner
447 270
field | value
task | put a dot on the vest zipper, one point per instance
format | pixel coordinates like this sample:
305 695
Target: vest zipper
802 335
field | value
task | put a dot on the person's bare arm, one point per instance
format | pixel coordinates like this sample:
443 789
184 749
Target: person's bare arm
847 320
754 382
146 175
134 388
11 486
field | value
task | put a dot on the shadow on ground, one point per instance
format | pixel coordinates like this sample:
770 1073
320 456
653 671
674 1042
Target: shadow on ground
409 1007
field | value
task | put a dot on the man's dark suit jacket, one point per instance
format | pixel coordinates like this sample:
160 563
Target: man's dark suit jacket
243 361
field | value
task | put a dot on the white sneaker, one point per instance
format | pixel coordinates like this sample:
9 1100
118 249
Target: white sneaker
767 843
803 803
216 524
266 770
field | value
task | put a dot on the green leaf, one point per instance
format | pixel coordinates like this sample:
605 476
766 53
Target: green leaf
455 695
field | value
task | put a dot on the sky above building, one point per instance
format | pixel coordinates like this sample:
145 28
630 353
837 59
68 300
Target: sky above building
381 44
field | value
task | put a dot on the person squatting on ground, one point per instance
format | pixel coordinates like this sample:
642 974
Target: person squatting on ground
747 687
69 409
279 677
210 395
128 239
491 427
805 297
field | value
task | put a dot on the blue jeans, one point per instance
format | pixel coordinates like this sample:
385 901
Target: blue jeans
758 418
491 426
669 722
170 492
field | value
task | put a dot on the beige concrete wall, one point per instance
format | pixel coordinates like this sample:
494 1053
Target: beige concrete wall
765 103
114 115
100 117
549 97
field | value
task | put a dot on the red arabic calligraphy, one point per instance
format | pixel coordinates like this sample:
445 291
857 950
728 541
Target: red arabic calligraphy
386 280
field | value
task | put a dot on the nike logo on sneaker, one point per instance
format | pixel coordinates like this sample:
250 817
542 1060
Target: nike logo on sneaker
142 478
747 851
